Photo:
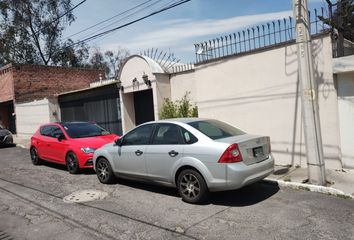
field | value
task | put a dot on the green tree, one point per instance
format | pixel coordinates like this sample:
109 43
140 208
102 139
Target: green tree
178 109
31 32
343 19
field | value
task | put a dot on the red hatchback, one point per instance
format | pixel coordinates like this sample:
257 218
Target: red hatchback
68 143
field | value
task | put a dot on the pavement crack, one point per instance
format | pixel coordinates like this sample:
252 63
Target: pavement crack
206 218
64 217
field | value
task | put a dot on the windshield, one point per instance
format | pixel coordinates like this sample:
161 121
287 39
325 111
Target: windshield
83 130
215 129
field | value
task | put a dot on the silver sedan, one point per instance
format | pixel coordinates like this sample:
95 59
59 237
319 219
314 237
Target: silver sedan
195 155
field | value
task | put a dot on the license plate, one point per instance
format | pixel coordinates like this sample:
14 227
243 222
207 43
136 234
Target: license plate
258 152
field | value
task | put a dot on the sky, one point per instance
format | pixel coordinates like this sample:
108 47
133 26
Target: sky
175 30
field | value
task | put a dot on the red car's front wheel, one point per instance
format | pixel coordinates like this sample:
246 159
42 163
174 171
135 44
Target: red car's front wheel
34 156
72 163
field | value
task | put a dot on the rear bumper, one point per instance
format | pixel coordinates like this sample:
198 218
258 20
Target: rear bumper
239 174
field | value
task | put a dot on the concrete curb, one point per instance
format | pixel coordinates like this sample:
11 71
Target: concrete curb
22 146
311 188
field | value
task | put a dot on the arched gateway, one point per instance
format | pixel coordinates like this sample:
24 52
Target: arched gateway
144 85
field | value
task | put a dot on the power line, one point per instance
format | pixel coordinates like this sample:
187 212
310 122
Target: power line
108 19
64 14
129 23
122 18
128 16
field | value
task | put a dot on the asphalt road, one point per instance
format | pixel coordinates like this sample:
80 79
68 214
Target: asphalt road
32 207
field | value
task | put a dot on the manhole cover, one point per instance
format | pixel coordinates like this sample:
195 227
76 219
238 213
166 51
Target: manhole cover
5 236
85 196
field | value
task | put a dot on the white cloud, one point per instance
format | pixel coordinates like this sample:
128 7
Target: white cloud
181 30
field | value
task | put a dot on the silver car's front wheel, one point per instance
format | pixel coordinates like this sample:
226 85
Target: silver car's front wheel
104 171
191 186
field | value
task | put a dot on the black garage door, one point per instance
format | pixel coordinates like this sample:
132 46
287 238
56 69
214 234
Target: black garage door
99 105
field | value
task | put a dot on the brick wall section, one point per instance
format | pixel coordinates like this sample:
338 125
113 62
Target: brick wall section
32 82
6 87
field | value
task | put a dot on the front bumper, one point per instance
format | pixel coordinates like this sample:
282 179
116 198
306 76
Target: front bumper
86 160
6 140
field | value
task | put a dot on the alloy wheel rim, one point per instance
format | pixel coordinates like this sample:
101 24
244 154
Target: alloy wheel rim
102 169
190 186
71 162
34 155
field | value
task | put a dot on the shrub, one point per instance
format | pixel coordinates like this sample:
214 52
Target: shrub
178 109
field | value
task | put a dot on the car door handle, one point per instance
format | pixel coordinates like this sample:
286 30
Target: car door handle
138 152
173 153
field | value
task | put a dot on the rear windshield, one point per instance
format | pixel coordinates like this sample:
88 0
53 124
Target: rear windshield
216 129
82 130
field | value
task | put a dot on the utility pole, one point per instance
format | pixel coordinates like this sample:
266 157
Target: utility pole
310 114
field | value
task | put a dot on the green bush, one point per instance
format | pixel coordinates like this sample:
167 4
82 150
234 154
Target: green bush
178 109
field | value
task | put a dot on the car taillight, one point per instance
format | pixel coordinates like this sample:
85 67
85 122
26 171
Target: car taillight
231 155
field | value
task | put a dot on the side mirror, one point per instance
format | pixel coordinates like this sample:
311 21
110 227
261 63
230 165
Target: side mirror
60 137
119 142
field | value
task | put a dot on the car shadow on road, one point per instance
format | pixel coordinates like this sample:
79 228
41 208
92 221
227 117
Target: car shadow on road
245 196
8 146
150 187
63 168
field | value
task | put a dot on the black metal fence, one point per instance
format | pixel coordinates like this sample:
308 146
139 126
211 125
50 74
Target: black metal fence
257 37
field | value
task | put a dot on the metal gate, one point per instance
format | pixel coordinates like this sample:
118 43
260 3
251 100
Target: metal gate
99 105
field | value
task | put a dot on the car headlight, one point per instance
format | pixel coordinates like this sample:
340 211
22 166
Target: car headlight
88 150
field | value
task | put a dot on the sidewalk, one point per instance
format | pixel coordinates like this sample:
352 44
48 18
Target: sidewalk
340 183
21 142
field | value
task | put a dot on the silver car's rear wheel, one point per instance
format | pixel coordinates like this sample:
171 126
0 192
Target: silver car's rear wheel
104 171
191 186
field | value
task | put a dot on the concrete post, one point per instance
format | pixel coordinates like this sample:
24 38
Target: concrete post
312 129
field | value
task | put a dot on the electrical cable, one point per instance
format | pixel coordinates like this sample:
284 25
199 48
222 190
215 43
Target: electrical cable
120 19
129 23
165 5
108 19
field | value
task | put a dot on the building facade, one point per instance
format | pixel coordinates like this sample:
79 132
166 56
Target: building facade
26 93
257 91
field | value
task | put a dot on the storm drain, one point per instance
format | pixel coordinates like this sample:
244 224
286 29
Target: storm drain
85 196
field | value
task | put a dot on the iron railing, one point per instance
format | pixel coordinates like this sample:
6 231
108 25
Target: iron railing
257 37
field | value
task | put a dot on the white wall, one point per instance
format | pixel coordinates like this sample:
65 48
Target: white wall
29 116
346 115
258 92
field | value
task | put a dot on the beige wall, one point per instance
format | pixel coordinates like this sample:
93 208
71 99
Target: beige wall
135 67
346 115
162 90
258 92
182 83
128 112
